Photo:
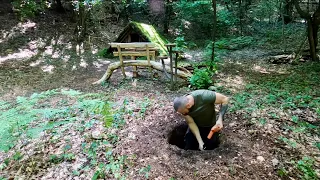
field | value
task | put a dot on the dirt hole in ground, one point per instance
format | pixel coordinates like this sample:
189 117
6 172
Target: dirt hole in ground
176 137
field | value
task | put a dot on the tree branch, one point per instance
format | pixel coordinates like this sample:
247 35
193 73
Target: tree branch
302 13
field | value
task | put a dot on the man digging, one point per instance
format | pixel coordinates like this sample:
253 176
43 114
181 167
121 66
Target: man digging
198 109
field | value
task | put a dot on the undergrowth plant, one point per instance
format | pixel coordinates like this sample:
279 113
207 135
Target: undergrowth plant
306 167
46 114
201 78
28 8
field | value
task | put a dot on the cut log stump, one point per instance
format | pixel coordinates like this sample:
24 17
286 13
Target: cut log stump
184 74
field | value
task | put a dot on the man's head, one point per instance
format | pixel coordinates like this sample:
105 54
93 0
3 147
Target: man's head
182 105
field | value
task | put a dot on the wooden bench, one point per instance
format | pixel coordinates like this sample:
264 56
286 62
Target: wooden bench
135 50
144 49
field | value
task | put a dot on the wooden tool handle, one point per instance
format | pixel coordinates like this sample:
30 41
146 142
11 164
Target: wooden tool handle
213 130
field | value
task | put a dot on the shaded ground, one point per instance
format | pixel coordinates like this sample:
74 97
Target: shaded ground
265 133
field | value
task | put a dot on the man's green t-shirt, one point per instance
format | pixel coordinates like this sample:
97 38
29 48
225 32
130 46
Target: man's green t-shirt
203 111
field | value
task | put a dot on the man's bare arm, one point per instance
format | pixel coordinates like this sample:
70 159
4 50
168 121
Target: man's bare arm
195 130
223 100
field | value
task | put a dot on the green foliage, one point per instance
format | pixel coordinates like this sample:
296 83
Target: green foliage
291 143
282 172
291 91
265 10
17 156
180 42
28 8
305 166
104 53
145 171
194 19
234 43
114 167
151 33
201 78
15 117
241 101
301 126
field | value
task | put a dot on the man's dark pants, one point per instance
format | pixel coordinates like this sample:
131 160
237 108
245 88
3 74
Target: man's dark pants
191 142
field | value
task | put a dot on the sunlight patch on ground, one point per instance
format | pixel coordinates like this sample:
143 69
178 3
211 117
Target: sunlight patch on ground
35 63
56 54
20 28
234 83
260 69
66 58
100 63
83 63
47 68
269 69
22 54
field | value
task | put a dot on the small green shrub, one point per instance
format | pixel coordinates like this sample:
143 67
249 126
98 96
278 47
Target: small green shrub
306 167
235 43
28 8
201 79
104 53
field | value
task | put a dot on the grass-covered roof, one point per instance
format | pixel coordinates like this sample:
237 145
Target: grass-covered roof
148 32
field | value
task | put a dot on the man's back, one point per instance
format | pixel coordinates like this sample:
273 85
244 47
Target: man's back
203 110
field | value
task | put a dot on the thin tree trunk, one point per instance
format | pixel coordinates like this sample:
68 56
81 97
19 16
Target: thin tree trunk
283 23
315 33
311 39
312 27
240 16
59 7
167 14
214 7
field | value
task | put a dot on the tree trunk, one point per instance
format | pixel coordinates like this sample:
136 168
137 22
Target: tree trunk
214 32
311 39
287 11
312 27
155 65
59 7
167 14
240 14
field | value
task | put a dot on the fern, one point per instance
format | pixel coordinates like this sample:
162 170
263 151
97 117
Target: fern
71 92
16 117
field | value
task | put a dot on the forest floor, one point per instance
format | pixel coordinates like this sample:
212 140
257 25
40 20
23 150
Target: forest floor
56 125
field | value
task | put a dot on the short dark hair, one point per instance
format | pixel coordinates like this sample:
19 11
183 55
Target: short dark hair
180 102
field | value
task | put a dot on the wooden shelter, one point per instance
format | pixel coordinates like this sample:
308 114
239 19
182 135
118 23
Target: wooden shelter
140 32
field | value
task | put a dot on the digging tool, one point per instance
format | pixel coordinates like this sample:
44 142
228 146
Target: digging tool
214 129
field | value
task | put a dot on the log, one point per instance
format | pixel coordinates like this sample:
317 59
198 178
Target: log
144 63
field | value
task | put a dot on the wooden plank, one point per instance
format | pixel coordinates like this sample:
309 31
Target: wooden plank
121 61
142 49
134 73
134 53
176 66
133 45
143 63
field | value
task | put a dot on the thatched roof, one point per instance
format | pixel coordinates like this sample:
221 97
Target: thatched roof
147 32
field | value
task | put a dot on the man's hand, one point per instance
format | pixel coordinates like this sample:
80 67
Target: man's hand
201 144
219 124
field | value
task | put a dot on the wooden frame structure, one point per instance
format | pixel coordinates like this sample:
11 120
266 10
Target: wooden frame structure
147 50
134 50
